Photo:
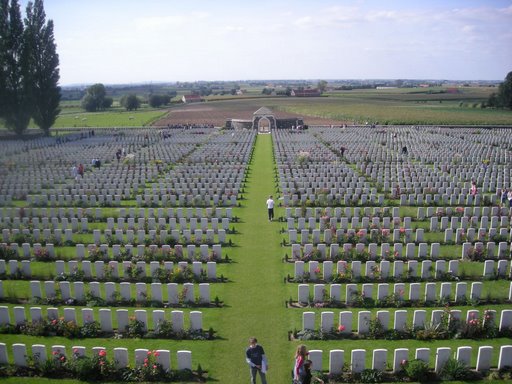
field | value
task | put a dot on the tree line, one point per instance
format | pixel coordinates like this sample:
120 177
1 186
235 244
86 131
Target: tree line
29 68
502 99
96 99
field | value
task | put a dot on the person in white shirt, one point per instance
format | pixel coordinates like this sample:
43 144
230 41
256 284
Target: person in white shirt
270 207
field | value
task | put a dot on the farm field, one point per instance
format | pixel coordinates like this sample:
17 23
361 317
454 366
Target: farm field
409 106
332 207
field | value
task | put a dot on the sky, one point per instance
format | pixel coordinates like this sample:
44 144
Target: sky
140 41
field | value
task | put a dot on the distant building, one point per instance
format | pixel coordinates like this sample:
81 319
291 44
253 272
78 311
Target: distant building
265 121
191 99
313 92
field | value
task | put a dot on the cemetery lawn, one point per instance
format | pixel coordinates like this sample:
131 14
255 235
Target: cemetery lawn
254 299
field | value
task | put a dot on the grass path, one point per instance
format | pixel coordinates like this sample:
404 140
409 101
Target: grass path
256 298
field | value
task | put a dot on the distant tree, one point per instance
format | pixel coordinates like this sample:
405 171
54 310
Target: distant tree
14 101
505 92
130 102
43 62
95 98
107 102
322 86
266 91
492 101
156 101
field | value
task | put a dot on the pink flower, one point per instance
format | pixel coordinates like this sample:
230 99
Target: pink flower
403 362
341 328
102 363
154 366
317 270
150 353
402 230
102 353
63 358
156 354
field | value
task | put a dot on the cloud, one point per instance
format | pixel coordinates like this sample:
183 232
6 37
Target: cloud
162 23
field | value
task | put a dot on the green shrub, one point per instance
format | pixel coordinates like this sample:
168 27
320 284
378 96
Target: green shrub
372 376
455 370
417 370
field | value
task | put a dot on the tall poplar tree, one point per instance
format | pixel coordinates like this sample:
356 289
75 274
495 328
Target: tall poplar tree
14 99
43 63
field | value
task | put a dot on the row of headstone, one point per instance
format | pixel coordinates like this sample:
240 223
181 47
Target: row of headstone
104 318
397 250
173 200
190 252
400 323
129 236
82 225
432 292
427 269
197 236
328 213
16 267
164 200
379 358
396 222
329 236
504 251
39 353
111 294
97 213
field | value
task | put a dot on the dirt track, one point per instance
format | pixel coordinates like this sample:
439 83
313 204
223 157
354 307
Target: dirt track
217 112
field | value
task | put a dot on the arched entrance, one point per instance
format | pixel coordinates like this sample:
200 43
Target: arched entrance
264 125
263 120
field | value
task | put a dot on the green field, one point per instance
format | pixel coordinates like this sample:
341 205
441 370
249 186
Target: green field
415 106
402 106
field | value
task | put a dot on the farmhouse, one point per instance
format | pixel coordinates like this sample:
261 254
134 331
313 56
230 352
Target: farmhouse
191 99
264 120
313 92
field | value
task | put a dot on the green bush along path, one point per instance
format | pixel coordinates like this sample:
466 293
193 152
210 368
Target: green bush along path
255 299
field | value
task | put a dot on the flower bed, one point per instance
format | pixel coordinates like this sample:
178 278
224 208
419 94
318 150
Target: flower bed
134 329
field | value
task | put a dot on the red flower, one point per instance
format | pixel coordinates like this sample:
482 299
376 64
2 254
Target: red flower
102 353
155 367
156 354
63 358
341 328
146 361
149 353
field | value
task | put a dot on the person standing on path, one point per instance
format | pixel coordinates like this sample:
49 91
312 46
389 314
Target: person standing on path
255 357
270 207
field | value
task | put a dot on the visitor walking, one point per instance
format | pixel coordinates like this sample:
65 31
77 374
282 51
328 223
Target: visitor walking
300 359
81 170
270 208
308 376
255 357
509 197
474 189
504 198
